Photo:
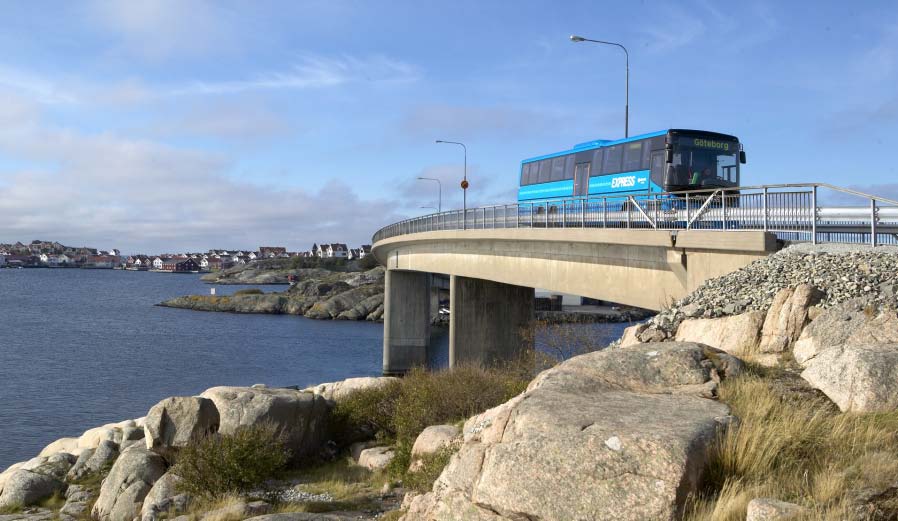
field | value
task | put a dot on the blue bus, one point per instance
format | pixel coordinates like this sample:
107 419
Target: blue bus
665 161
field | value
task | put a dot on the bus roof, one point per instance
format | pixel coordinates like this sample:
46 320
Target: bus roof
599 143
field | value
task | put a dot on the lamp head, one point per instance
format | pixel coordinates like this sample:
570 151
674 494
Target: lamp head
440 141
575 38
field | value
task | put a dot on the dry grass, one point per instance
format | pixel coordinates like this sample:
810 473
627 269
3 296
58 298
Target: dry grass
398 412
352 487
224 508
796 447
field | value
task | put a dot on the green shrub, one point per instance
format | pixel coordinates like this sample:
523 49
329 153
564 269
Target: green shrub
399 411
248 291
214 466
422 479
368 262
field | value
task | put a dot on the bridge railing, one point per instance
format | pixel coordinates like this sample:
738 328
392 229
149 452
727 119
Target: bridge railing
799 212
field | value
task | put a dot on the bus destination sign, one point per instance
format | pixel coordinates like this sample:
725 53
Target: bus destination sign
725 146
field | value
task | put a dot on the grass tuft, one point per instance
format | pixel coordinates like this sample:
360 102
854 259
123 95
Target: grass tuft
794 445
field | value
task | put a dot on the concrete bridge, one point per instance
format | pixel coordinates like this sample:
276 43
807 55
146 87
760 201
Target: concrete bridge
493 273
644 250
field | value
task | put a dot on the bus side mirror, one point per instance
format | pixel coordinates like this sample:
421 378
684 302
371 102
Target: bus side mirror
742 156
668 156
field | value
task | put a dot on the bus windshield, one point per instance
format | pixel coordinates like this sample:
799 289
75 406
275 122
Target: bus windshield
706 162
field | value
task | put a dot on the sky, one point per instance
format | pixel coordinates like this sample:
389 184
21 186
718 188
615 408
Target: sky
184 125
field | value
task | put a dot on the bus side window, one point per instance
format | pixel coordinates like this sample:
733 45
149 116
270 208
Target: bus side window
632 156
525 172
545 170
597 163
558 168
613 156
569 167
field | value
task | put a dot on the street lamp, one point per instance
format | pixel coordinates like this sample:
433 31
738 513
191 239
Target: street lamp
431 208
464 184
440 203
576 39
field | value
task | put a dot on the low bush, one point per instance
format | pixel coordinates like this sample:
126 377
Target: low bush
793 444
249 291
399 411
215 466
367 262
430 467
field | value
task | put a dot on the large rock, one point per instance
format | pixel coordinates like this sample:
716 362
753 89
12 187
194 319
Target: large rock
92 461
163 498
124 489
376 458
175 421
28 487
336 391
435 438
768 509
786 317
299 415
67 445
347 300
854 322
618 434
631 335
737 334
858 378
364 308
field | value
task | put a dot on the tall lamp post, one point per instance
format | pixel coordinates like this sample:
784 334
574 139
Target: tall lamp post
440 200
464 184
575 39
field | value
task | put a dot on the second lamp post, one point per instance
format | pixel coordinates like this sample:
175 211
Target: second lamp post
464 184
575 38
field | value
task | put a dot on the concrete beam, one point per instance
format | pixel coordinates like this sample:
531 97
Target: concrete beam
641 268
407 302
487 320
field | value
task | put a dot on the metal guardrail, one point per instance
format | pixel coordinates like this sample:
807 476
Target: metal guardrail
791 211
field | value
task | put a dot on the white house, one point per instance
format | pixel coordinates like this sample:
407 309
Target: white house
157 263
59 260
204 263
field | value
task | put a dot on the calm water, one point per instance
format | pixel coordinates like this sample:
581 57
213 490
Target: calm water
80 348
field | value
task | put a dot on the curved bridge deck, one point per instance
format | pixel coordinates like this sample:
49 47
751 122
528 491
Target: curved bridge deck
645 251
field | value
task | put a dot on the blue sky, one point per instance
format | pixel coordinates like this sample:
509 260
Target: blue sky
172 125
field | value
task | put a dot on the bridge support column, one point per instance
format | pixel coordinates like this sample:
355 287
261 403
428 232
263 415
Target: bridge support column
406 320
486 320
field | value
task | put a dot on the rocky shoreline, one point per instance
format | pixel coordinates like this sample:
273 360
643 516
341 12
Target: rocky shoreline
634 431
317 293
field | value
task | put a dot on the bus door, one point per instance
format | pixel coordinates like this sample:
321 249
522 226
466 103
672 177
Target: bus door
657 172
581 179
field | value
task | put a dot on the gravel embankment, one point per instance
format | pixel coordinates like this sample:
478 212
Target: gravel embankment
842 272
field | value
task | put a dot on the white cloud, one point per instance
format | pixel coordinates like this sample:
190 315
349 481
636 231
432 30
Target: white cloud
311 71
236 120
33 86
159 29
443 120
105 190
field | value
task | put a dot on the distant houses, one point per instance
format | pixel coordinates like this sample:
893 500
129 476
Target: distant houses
51 254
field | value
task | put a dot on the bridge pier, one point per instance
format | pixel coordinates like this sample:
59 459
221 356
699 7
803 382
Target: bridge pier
407 302
486 320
